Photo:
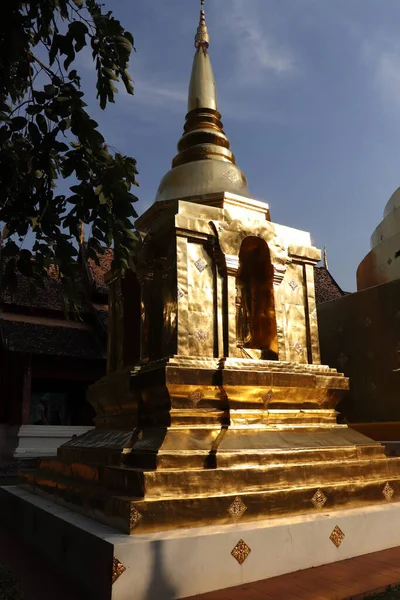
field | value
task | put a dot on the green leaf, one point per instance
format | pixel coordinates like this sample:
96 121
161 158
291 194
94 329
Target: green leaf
50 90
42 123
34 109
124 42
4 118
78 31
34 133
129 37
18 123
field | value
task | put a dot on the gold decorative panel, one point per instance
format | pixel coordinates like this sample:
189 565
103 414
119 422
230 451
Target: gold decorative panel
118 569
195 397
319 499
337 536
388 492
200 265
199 282
237 508
241 551
134 517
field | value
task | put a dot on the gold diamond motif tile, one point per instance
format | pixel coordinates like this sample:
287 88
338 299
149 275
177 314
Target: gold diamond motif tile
337 536
195 397
388 492
180 293
200 265
201 336
298 348
241 551
118 569
267 398
134 517
293 284
237 508
319 499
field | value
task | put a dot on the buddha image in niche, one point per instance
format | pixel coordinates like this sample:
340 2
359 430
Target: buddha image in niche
255 306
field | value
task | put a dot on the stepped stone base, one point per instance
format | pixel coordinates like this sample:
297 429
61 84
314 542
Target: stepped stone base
216 441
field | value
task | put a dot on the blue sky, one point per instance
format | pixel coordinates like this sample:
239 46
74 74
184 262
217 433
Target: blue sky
309 92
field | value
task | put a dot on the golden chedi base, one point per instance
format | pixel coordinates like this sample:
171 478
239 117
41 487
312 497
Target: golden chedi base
208 441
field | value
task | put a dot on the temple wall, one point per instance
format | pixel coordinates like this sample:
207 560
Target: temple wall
360 336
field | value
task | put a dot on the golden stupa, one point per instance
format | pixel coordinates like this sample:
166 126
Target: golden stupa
228 413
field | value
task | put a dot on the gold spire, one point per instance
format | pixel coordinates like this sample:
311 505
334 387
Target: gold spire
202 89
202 39
204 163
325 259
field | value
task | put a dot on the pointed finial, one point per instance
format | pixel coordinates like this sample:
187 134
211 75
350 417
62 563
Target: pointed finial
202 39
325 259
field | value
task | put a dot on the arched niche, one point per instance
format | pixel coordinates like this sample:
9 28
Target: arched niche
255 304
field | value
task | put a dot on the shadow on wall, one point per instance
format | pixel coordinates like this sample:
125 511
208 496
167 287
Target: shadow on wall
160 587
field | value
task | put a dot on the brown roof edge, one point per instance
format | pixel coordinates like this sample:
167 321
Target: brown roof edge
326 287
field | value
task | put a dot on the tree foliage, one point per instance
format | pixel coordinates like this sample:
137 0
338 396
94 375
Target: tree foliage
46 134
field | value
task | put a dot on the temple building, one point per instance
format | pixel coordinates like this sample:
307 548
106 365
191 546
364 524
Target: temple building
360 335
49 357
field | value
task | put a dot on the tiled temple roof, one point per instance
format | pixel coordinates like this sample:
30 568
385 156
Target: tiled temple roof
51 297
25 336
326 288
97 272
39 339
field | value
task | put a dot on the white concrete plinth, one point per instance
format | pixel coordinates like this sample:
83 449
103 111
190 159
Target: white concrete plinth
35 441
180 563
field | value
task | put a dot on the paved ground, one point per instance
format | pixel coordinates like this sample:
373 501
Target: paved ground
37 582
352 578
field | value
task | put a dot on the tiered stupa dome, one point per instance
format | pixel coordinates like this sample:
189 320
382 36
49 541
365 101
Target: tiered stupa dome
382 263
204 163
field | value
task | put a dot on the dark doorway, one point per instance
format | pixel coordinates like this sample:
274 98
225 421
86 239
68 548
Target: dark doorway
256 321
59 402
